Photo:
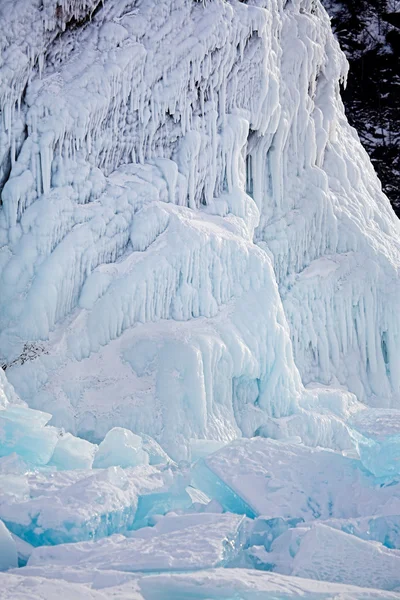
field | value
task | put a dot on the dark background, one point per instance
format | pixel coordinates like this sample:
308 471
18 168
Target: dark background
369 34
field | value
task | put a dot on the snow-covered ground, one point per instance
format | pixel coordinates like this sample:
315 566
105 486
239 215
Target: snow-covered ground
199 291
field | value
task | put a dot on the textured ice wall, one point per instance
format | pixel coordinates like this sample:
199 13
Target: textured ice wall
172 168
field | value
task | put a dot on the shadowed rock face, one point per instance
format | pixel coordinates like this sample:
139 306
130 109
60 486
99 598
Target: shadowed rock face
369 33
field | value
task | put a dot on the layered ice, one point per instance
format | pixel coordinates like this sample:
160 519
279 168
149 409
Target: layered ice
281 479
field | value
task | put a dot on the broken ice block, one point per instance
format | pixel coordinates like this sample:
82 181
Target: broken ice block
73 453
120 448
8 549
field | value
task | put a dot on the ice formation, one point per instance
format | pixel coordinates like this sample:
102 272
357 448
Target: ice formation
194 250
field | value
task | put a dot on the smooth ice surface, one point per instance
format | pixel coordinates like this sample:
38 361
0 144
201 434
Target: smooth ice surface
327 554
279 479
8 549
121 448
181 543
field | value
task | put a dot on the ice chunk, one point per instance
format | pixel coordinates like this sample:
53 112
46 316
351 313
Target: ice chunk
24 550
268 477
8 549
73 453
184 542
120 448
320 552
24 431
157 455
383 529
378 440
68 506
263 530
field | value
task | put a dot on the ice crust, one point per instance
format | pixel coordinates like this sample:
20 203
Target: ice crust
194 250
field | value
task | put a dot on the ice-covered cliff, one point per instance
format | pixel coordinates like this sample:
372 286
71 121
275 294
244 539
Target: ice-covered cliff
190 231
194 251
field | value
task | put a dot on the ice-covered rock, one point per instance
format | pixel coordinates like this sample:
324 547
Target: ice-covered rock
184 211
282 479
322 553
8 549
120 448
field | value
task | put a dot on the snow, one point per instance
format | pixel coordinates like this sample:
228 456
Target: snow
327 554
249 585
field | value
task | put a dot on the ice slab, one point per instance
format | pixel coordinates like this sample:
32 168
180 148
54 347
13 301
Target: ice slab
185 542
8 549
63 506
383 529
157 456
73 453
24 550
267 477
120 447
243 584
378 441
323 553
24 431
